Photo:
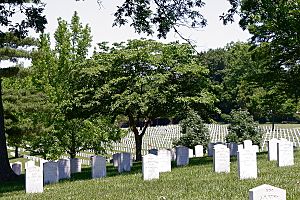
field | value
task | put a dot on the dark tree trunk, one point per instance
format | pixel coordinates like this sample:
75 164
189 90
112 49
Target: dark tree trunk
6 173
138 147
16 152
138 136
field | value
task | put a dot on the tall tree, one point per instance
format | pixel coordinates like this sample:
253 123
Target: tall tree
53 75
10 48
142 80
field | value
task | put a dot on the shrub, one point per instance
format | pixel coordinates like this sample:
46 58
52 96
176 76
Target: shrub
243 127
193 131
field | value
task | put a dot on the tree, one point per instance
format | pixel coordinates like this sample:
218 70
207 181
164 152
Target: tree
10 49
53 76
194 131
142 80
242 127
275 23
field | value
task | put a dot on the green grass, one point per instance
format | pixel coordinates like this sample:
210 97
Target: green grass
282 125
195 181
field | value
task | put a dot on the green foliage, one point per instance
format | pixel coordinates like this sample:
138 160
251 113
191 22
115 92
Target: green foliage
31 17
168 15
142 80
27 112
53 75
242 127
194 131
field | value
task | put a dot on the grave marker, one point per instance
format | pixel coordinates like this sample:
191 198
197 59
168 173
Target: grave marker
221 158
182 156
75 165
34 179
191 153
233 147
247 144
50 172
124 162
210 149
115 159
153 151
64 171
164 160
272 149
150 167
285 153
17 167
247 164
98 166
267 192
198 151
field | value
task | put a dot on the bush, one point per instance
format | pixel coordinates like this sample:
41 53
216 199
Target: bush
194 131
243 127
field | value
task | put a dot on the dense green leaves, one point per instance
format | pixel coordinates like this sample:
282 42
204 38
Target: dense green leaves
242 127
167 15
53 76
142 80
194 131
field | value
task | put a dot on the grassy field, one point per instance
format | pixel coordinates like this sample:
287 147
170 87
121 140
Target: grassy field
196 181
282 125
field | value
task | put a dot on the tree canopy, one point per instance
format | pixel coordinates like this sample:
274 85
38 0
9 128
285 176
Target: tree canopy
142 80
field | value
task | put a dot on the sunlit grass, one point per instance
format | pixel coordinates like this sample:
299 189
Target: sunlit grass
196 181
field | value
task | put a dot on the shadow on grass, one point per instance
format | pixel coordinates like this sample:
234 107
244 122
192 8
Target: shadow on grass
12 186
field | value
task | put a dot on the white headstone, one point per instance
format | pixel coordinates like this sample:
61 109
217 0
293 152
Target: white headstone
17 167
64 169
272 149
98 166
191 153
285 153
221 158
247 164
124 162
29 163
198 151
267 192
247 144
115 159
182 156
150 167
34 179
50 172
75 165
164 160
255 148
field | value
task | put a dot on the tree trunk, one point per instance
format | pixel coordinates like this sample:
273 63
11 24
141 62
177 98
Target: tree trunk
6 173
16 152
138 136
138 146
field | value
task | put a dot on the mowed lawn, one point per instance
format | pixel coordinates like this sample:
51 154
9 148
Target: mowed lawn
195 181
